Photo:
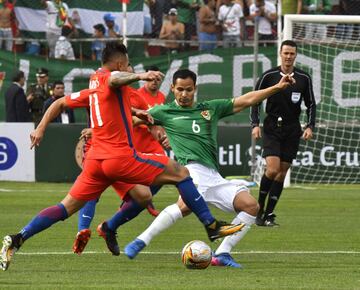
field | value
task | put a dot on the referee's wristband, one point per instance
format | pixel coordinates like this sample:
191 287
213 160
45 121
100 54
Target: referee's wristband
310 126
254 125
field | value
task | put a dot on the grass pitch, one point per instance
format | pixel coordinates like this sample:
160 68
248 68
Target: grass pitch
317 245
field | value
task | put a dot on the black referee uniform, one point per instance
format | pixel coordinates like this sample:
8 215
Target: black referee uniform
282 130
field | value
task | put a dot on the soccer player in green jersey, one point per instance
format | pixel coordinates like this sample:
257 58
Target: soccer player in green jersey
192 131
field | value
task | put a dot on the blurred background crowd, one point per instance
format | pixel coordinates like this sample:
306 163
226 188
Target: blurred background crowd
168 25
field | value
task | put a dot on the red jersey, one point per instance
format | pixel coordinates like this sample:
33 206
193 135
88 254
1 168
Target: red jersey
143 139
110 116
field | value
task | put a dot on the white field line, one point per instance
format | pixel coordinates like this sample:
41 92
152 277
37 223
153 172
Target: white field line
178 253
32 190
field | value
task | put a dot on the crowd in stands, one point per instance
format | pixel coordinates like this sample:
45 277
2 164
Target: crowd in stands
180 24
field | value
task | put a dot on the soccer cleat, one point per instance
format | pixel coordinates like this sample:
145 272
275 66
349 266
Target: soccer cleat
152 210
109 237
11 244
220 229
81 241
132 249
269 221
224 259
259 221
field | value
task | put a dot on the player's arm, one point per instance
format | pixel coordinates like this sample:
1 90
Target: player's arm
120 78
78 99
254 97
141 115
51 113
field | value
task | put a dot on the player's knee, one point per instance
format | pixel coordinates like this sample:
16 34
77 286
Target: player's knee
271 173
247 203
280 176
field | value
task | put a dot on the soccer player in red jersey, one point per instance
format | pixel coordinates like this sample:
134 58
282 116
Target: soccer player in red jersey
129 209
112 156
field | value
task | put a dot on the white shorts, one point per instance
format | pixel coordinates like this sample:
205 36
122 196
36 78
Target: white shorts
215 189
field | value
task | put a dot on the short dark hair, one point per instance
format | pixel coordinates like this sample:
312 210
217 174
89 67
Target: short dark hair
18 75
66 30
58 83
152 67
289 43
113 49
100 27
184 74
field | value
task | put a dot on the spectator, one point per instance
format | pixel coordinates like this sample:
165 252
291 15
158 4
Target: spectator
98 45
172 30
58 16
187 15
38 93
208 28
6 18
112 29
156 12
76 20
65 117
313 30
17 108
290 7
231 19
347 7
63 48
265 12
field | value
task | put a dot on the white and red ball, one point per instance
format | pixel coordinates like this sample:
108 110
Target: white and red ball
196 255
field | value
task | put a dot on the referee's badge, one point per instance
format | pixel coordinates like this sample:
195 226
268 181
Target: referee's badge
206 115
295 97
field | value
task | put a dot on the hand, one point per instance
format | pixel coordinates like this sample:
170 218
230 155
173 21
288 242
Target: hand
151 76
36 137
86 134
145 116
164 141
30 98
286 81
256 133
308 134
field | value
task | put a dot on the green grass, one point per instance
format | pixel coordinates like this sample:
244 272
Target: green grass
317 245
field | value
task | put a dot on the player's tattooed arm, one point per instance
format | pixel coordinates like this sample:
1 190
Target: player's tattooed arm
119 78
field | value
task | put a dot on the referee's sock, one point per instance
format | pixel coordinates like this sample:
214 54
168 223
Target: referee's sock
265 185
274 196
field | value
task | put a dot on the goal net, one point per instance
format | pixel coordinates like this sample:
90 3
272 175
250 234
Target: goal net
329 50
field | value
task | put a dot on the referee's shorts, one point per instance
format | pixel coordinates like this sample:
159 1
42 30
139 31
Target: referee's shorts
282 141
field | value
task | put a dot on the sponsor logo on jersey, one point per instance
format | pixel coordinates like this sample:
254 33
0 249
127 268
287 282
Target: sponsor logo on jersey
206 115
295 97
181 117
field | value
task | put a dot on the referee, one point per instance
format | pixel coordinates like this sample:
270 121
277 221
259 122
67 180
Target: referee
282 130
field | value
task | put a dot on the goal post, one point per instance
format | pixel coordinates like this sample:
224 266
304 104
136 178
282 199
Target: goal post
329 50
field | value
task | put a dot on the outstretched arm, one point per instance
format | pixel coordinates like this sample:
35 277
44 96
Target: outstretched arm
120 78
254 97
51 113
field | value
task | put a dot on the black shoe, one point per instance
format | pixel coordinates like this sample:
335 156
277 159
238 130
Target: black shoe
259 221
220 229
11 244
269 221
109 237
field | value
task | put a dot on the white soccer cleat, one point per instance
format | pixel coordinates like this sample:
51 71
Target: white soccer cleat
8 250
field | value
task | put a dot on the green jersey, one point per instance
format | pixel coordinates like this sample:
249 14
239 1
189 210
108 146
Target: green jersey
192 132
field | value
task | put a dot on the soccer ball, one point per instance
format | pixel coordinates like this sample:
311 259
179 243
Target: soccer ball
196 255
